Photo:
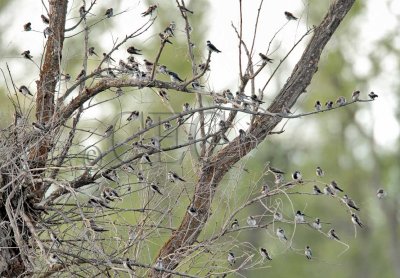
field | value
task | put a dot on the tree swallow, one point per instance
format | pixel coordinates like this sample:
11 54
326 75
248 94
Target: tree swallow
154 187
173 177
329 104
231 258
159 264
107 58
297 176
167 125
279 178
81 75
255 100
356 95
90 224
91 51
332 234
299 217
163 95
264 254
372 95
349 202
133 116
45 19
150 10
109 131
24 90
356 220
317 224
265 189
278 216
334 186
54 259
281 234
164 38
290 16
146 159
28 26
174 77
381 193
47 32
110 194
251 221
148 122
163 69
98 203
109 13
317 106
319 172
196 86
265 58
192 210
235 224
316 190
27 54
134 51
127 264
308 252
186 107
328 191
54 238
212 48
341 101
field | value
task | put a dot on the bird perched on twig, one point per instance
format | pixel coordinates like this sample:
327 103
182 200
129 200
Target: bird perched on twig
133 50
28 26
212 47
27 54
372 95
45 19
349 202
150 10
308 252
264 254
173 177
24 90
356 95
265 58
109 12
91 51
290 16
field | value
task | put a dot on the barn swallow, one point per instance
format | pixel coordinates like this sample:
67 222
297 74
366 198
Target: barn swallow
329 104
299 217
149 122
372 95
164 38
231 258
212 48
133 116
127 264
146 159
81 75
290 16
264 254
45 19
281 234
154 187
109 131
317 106
356 220
308 252
110 194
356 95
251 221
109 13
317 224
265 58
235 224
341 101
265 189
381 193
28 26
319 172
297 176
316 190
332 234
150 10
328 191
167 125
54 238
134 51
349 202
98 203
163 95
334 186
278 216
91 51
186 107
27 54
173 177
54 259
24 90
192 210
196 86
174 77
107 58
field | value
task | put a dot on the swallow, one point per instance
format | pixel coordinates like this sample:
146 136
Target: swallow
286 110
159 264
27 54
316 190
119 92
110 194
127 264
332 234
317 106
350 203
290 16
317 224
27 26
111 176
163 95
81 75
186 107
192 210
150 10
39 127
109 13
279 178
281 234
328 191
133 116
235 224
149 122
172 25
265 58
54 259
98 203
264 254
134 51
381 193
297 176
54 238
231 258
169 32
341 101
251 221
107 58
131 236
308 252
167 125
299 217
155 143
212 48
196 86
164 38
255 100
109 131
163 69
329 104
265 189
242 135
140 176
228 94
202 67
128 168
174 77
275 170
356 220
155 188
173 177
372 95
45 19
334 186
91 51
355 96
24 90
319 172
148 65
184 9
82 11
278 216
66 77
146 159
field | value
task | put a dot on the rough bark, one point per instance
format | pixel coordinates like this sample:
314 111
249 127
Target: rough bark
215 168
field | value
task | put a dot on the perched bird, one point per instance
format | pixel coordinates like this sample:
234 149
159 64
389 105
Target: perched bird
264 254
356 220
265 189
228 94
174 77
265 58
184 9
192 210
119 92
255 100
317 224
54 238
341 101
128 168
316 190
164 38
319 172
40 127
133 116
297 176
146 159
356 95
281 234
329 104
28 26
332 234
212 48
317 106
235 224
308 253
278 216
155 143
372 95
111 175
98 203
66 77
349 202
47 32
334 186
149 122
163 94
290 16
81 75
109 131
107 58
134 51
196 85
27 54
173 177
54 259
186 107
299 217
109 13
150 10
127 264
380 193
204 67
251 221
328 191
45 19
279 178
90 224
110 194
167 125
91 51
140 176
286 110
168 32
155 188
242 135
231 258
24 90
148 65
82 11
163 69
159 264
